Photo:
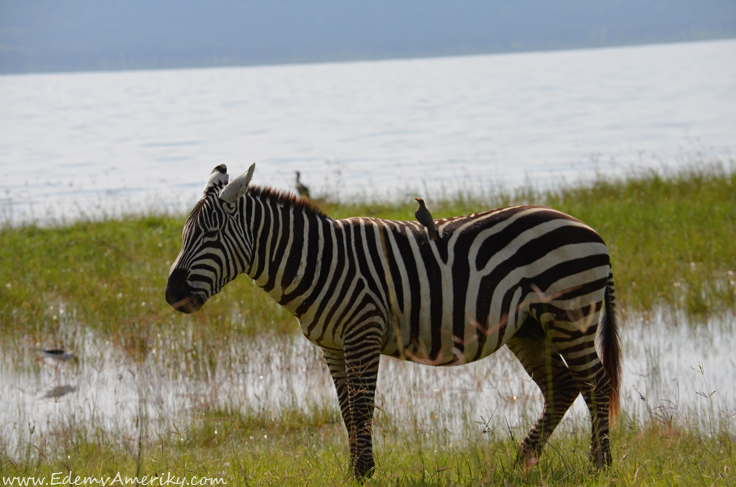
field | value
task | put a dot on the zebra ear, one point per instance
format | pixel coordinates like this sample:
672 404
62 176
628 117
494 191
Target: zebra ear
238 186
218 176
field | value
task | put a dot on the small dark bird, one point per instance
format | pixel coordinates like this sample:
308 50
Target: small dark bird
57 354
424 217
300 188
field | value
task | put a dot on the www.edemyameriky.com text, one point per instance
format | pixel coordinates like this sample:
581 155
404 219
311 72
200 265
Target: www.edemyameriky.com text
68 478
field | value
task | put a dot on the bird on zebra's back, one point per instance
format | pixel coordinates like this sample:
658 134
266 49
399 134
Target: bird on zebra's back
301 188
527 277
424 217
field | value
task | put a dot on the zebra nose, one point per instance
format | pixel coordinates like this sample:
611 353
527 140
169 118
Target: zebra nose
177 288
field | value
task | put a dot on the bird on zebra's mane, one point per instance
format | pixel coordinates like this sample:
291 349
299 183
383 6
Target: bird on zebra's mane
424 217
300 188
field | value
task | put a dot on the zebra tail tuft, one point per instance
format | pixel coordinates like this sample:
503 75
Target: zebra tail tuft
611 348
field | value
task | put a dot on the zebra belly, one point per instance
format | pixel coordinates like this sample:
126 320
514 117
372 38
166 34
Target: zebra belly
325 337
454 350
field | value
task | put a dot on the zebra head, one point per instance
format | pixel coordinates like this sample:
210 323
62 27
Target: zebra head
213 250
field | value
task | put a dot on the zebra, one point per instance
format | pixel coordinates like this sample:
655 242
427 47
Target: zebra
528 277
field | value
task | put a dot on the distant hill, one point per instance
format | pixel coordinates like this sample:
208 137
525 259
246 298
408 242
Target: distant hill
74 35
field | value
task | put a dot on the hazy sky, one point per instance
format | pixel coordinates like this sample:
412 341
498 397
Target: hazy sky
63 35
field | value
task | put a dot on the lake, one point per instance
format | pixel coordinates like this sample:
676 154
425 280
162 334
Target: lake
105 143
183 376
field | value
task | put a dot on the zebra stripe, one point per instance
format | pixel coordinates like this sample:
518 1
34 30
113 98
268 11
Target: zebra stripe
529 277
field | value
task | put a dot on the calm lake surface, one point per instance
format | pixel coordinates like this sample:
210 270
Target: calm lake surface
111 142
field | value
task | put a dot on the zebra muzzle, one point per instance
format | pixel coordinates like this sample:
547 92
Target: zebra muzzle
179 294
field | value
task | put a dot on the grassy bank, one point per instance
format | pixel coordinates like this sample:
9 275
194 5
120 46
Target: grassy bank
298 449
671 240
672 244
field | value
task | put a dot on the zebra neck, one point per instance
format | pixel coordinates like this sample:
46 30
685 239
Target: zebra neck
287 244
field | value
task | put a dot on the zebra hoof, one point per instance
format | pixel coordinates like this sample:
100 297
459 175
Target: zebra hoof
601 460
364 468
526 458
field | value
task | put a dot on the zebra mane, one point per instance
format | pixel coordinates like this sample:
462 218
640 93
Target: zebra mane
194 214
286 198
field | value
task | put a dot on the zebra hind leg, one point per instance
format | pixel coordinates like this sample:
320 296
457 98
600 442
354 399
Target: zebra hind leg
578 350
558 387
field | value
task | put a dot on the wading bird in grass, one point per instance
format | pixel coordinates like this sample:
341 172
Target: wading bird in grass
57 354
424 217
530 278
301 188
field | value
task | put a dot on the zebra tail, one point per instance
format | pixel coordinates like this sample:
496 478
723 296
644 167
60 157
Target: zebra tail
610 348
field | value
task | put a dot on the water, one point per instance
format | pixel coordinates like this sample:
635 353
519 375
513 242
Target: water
105 143
674 372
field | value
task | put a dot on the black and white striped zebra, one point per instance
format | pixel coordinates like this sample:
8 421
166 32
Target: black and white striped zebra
528 277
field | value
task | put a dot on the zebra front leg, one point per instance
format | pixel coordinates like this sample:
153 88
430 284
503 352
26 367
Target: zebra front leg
546 368
336 363
362 353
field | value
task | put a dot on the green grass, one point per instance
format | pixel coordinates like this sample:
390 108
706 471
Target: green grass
672 240
310 449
